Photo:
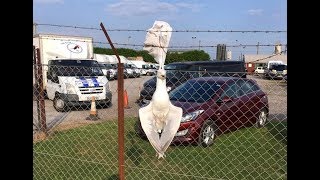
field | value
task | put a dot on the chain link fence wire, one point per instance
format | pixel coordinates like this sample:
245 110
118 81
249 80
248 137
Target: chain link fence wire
233 128
240 134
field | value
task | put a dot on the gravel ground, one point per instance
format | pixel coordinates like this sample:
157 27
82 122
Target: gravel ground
277 96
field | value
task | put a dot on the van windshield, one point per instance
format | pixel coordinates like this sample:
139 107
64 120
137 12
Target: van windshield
106 66
176 67
130 66
278 67
75 68
145 66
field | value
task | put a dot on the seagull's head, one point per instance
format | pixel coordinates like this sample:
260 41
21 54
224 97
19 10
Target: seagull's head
161 74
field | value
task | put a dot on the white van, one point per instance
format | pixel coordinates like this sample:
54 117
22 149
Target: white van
73 82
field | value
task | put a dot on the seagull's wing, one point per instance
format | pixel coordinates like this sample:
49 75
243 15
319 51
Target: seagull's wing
147 119
173 122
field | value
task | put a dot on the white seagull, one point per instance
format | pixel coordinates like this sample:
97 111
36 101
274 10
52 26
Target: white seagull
160 119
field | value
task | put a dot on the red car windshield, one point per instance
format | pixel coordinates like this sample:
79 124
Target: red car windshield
194 91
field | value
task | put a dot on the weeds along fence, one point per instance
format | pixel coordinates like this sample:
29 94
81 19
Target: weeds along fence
229 129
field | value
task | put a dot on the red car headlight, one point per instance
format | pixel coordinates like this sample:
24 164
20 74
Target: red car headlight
191 116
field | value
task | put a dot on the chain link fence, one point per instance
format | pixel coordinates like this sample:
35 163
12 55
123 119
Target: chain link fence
232 128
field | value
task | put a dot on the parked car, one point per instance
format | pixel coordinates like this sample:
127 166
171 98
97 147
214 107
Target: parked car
115 67
148 70
109 70
216 105
259 70
179 72
131 70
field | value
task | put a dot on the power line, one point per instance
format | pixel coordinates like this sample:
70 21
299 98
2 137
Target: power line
68 26
186 31
141 45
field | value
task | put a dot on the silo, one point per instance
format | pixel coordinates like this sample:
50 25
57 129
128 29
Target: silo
229 54
218 52
224 52
221 52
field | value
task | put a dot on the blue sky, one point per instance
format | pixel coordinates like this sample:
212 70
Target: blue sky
225 15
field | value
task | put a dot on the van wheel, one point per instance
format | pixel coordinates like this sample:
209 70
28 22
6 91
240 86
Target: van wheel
208 133
59 104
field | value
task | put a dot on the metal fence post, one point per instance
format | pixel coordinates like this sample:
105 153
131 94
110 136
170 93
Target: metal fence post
40 100
120 107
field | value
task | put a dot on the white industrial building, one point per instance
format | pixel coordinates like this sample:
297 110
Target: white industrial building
257 60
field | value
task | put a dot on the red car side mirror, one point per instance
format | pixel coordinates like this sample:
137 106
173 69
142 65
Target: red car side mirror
224 99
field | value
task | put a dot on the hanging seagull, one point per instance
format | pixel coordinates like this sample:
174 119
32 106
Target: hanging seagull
160 120
157 41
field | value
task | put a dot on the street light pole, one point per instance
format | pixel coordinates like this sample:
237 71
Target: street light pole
128 41
193 40
34 29
199 44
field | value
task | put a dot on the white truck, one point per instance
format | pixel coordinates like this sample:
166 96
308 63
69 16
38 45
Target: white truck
70 76
276 70
274 62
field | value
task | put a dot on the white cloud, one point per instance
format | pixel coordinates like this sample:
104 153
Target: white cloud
49 1
192 7
255 12
147 7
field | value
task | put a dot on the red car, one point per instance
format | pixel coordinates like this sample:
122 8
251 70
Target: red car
216 105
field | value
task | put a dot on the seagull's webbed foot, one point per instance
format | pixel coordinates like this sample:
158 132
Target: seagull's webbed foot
160 155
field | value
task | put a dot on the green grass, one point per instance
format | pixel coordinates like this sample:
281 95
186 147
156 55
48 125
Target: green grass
91 152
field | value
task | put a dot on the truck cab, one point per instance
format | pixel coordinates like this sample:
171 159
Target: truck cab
73 82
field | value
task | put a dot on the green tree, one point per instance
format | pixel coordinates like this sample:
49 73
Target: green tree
99 50
173 57
146 56
121 51
193 55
